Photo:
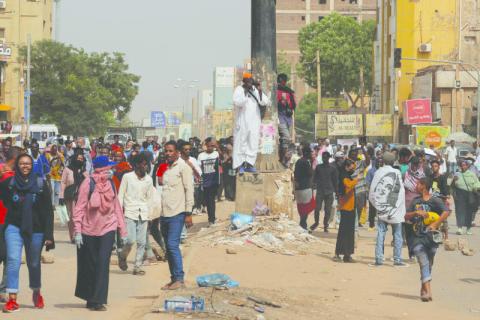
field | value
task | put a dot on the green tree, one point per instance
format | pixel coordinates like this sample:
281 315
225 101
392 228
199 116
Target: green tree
305 117
77 91
345 47
283 65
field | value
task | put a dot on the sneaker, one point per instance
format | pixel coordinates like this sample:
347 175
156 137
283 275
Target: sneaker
337 258
348 259
459 231
401 264
97 307
251 169
11 306
150 261
138 272
38 300
469 232
376 264
325 230
370 229
122 263
314 226
241 170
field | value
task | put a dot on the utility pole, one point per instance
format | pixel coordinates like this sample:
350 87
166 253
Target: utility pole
292 84
478 107
28 93
264 66
319 84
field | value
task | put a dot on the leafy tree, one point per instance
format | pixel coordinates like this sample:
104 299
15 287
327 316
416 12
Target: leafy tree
305 117
77 91
283 65
345 47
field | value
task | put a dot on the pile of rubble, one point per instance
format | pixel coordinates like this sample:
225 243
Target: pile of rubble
277 234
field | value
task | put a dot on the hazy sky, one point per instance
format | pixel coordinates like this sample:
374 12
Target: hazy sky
163 41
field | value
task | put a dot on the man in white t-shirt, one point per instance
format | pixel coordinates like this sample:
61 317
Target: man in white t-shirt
451 157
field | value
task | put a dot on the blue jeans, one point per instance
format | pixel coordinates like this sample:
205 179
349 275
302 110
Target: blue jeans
33 251
171 228
425 257
55 192
451 167
382 228
137 233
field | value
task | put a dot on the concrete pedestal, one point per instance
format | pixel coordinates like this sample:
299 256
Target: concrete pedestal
273 189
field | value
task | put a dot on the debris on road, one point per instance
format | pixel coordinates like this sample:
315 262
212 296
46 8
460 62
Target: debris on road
264 302
216 280
277 234
231 251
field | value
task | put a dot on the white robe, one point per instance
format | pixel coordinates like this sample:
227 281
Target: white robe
247 125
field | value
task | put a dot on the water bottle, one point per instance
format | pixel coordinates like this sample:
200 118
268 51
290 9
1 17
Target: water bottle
182 304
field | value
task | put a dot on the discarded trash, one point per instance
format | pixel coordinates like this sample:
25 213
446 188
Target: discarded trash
260 210
231 251
259 309
468 252
450 246
239 220
216 280
264 302
238 303
183 304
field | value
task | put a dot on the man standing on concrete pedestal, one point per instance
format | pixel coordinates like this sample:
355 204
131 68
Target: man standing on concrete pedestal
247 101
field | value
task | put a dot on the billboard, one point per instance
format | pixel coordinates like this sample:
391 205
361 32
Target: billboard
379 125
158 119
417 111
185 131
174 118
321 125
432 135
224 80
222 124
345 125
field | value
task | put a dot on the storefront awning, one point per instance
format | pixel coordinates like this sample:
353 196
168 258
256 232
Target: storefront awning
4 107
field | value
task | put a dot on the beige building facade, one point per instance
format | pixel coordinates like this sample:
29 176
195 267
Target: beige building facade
292 15
18 18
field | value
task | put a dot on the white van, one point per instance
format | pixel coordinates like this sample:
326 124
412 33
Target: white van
40 132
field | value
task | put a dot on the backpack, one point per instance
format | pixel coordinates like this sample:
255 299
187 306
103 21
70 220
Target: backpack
92 187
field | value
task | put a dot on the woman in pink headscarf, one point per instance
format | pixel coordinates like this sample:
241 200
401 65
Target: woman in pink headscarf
96 217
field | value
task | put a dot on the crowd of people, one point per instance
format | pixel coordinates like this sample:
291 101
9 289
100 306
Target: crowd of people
115 196
409 190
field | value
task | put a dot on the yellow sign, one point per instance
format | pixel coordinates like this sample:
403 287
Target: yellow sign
379 125
432 135
321 125
334 104
222 124
345 125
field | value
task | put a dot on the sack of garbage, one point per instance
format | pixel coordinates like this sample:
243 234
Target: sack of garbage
239 220
216 280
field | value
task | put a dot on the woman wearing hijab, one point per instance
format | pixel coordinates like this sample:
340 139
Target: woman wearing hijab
97 216
346 231
72 177
29 223
466 203
303 175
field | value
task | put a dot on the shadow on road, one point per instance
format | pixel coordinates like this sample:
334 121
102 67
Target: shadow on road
470 280
400 295
70 306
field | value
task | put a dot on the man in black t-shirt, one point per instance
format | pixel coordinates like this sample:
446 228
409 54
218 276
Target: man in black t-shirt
441 190
420 241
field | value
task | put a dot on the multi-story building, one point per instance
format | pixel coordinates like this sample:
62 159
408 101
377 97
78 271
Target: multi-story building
292 15
428 32
18 18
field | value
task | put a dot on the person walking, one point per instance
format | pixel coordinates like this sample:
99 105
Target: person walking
177 203
466 185
286 107
135 196
29 224
451 157
56 161
423 245
326 179
346 231
7 170
210 167
440 189
387 195
97 216
303 175
72 177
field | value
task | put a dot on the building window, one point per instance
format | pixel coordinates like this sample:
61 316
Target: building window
322 1
2 33
303 18
320 18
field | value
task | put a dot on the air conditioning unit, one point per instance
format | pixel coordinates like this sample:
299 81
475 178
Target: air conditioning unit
3 4
425 48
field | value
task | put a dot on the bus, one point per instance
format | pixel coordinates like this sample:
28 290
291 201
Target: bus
40 132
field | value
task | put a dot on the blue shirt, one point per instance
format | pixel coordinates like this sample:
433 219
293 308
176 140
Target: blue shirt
41 166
